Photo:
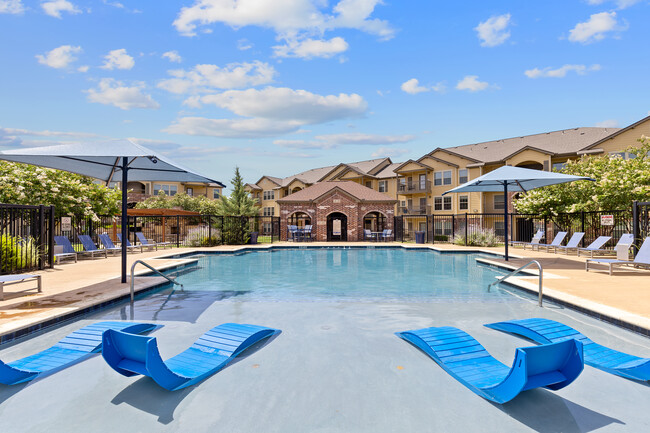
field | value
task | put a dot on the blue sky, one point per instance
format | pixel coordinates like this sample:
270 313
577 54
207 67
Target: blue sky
280 86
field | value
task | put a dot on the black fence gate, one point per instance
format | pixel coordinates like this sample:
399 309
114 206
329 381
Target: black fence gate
26 237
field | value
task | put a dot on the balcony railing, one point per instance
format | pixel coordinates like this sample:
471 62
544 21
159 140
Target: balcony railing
414 187
415 210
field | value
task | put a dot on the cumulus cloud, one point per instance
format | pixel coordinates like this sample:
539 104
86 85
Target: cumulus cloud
231 128
596 28
285 17
388 152
172 56
11 7
60 57
310 48
493 31
244 44
205 78
609 123
330 141
46 133
15 137
560 72
116 93
413 87
472 84
55 7
621 4
118 59
83 68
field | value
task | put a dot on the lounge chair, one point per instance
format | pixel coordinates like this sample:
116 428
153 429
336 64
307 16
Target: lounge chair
556 242
108 244
90 247
6 280
535 240
642 258
552 366
67 247
73 348
572 245
130 354
544 331
626 239
386 234
129 245
149 242
68 251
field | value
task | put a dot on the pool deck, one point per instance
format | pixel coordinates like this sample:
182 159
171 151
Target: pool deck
76 287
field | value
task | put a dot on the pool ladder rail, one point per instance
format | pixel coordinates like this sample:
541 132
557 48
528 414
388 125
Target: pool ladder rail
516 271
171 280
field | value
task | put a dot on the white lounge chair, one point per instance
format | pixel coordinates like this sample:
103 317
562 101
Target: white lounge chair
642 259
535 240
596 248
572 245
6 280
556 242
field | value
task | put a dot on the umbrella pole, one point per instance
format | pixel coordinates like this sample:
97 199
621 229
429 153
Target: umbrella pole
505 215
125 178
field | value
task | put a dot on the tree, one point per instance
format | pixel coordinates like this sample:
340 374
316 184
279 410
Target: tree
239 203
618 182
70 193
200 204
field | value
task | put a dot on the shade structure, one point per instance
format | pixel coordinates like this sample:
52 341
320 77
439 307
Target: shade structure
113 160
513 179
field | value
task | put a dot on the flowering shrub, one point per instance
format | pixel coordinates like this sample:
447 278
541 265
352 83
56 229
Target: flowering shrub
197 237
477 237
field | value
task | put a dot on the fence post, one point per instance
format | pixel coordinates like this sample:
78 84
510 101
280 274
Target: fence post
178 231
582 227
635 226
466 228
210 229
50 238
41 236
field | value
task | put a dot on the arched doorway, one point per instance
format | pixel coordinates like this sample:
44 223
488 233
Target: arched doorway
295 190
374 221
532 165
337 227
299 219
136 187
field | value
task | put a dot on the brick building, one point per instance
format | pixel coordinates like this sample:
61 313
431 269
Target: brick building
339 210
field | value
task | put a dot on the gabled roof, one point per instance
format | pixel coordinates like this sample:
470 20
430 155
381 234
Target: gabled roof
523 149
253 186
410 161
352 189
388 171
275 180
435 158
618 132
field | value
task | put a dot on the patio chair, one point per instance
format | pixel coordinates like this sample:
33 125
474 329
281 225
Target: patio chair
90 247
368 235
130 245
292 233
642 259
556 242
572 245
145 241
386 234
108 244
552 366
130 354
535 240
6 280
306 233
594 248
67 252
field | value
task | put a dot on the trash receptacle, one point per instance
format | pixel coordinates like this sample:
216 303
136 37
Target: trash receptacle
419 237
253 238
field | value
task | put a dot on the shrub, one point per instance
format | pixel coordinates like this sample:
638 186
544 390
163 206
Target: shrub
197 237
477 237
17 253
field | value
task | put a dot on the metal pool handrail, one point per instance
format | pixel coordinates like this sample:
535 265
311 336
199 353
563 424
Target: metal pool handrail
171 280
541 271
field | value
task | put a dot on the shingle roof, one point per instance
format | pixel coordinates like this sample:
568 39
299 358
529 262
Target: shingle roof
566 141
317 190
388 172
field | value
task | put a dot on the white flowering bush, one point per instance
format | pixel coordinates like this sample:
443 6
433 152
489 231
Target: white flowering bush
201 204
71 194
618 182
197 237
477 237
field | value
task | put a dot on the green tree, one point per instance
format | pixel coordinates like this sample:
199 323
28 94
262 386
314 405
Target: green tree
200 204
240 203
618 182
70 193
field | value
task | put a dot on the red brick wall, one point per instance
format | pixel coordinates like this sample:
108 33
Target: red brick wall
335 202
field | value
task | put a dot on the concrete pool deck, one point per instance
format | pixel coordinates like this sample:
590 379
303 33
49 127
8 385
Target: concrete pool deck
71 287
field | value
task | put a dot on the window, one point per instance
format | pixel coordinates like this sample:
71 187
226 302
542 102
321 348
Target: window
446 203
216 194
462 176
169 190
463 202
267 228
446 177
437 203
437 178
269 211
499 202
443 228
557 166
622 155
369 184
499 228
189 191
423 182
383 186
269 195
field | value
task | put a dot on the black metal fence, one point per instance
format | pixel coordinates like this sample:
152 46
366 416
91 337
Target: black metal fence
25 238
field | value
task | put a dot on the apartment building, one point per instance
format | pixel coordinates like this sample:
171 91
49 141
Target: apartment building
140 191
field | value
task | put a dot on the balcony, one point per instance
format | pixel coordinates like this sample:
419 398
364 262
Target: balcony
415 210
414 187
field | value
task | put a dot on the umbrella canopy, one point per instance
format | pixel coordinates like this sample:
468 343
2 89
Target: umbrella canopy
115 160
513 179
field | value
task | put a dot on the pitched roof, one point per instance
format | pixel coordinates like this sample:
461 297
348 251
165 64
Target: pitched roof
566 141
618 132
353 189
388 171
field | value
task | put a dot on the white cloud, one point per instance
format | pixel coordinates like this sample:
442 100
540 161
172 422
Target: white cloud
284 104
113 92
285 17
304 144
310 48
46 133
83 68
59 57
609 123
172 56
244 44
118 59
205 78
55 7
472 84
492 32
560 72
364 139
11 7
413 87
595 29
228 128
388 152
621 4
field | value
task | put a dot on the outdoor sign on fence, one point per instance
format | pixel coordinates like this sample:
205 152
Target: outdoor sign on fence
607 220
66 224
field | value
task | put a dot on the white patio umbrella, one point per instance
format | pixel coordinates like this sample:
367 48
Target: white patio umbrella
115 160
513 179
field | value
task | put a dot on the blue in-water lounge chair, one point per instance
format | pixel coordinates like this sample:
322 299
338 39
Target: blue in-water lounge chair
130 354
552 366
73 348
642 259
544 331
